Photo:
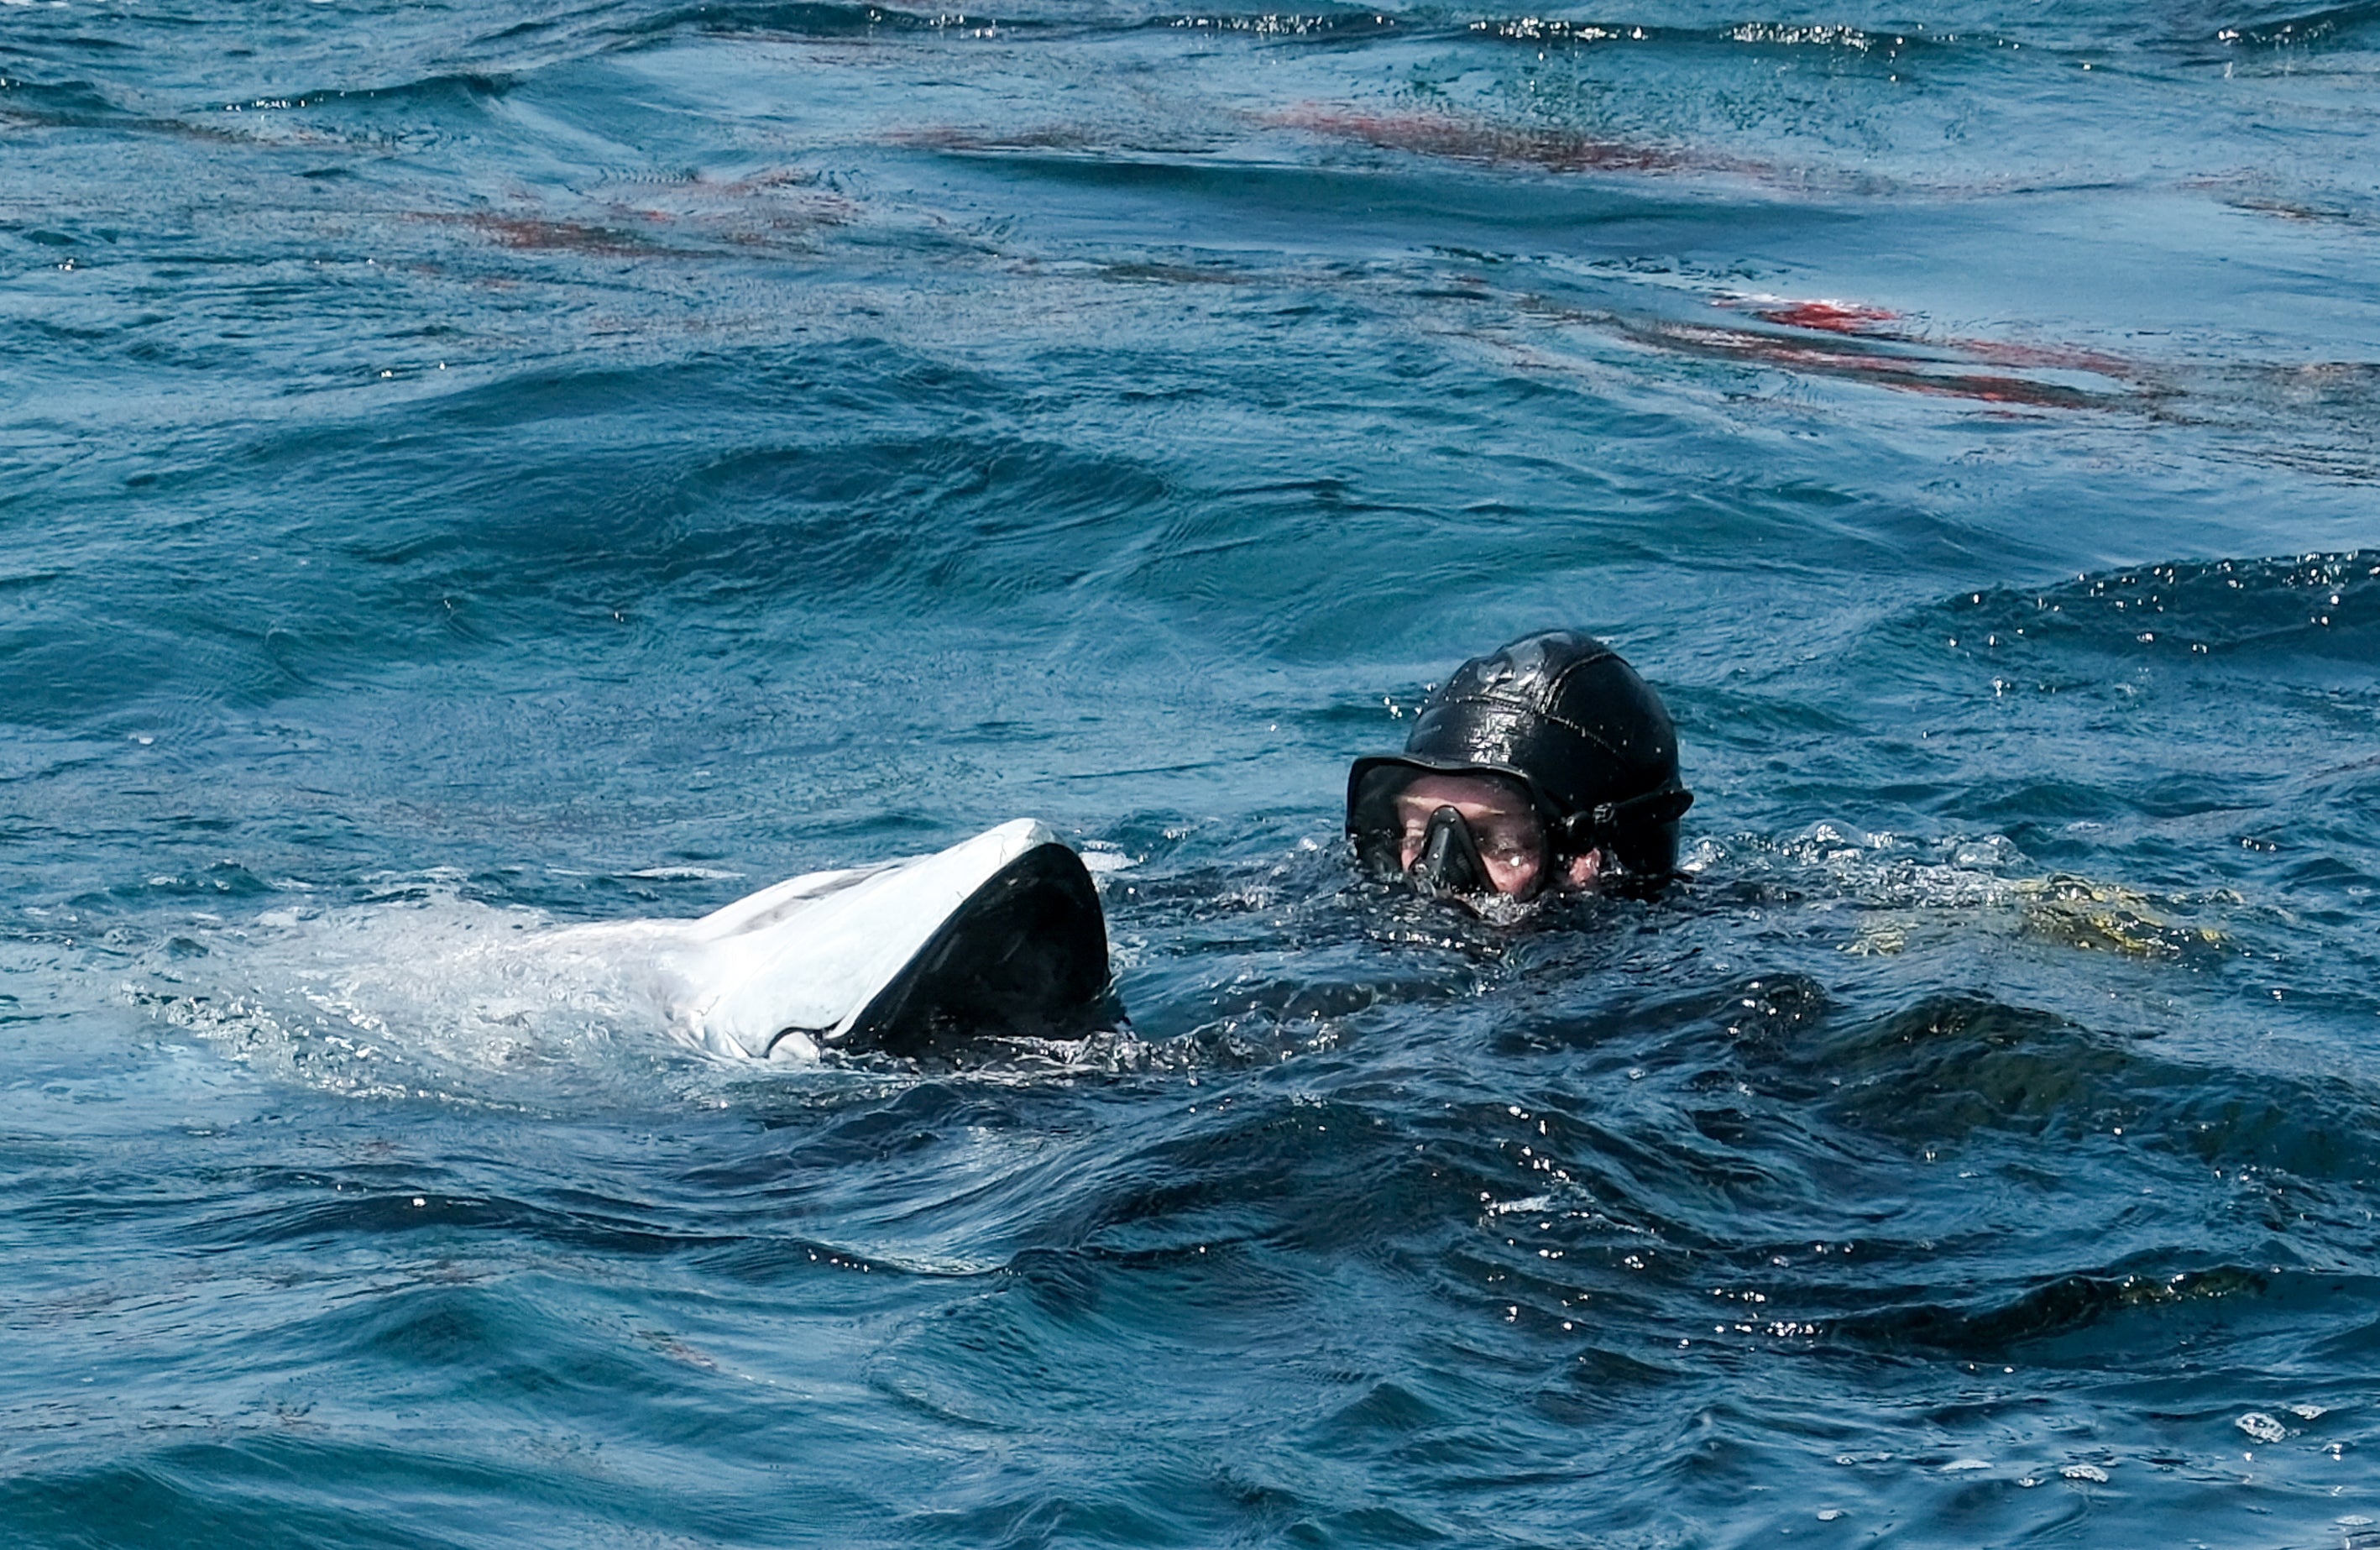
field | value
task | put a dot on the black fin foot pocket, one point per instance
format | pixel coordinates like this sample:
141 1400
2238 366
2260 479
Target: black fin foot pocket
1024 957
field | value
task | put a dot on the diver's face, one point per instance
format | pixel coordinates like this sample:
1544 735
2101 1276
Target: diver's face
1504 824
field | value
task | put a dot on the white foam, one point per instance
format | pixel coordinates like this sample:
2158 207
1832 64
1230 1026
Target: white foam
2262 1427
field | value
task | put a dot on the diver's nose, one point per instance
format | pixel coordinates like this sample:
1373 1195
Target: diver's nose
1450 860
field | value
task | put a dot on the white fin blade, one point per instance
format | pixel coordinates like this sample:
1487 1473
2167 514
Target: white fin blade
812 953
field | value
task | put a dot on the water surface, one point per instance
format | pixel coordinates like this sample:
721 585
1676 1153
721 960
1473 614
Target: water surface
473 467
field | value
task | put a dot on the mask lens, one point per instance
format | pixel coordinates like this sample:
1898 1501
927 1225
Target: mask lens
1373 820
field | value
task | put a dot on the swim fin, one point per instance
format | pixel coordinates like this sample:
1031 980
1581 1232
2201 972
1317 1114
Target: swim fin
1000 936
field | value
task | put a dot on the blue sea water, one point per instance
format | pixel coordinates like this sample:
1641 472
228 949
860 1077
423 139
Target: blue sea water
468 466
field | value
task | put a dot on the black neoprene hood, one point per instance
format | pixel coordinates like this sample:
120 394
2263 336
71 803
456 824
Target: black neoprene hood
1564 715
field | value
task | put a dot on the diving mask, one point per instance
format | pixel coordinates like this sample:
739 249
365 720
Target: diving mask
1454 834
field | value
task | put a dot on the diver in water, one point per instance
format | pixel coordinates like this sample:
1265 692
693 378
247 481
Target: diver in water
1548 766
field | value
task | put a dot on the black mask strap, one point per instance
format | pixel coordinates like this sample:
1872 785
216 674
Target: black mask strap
1604 822
1449 863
